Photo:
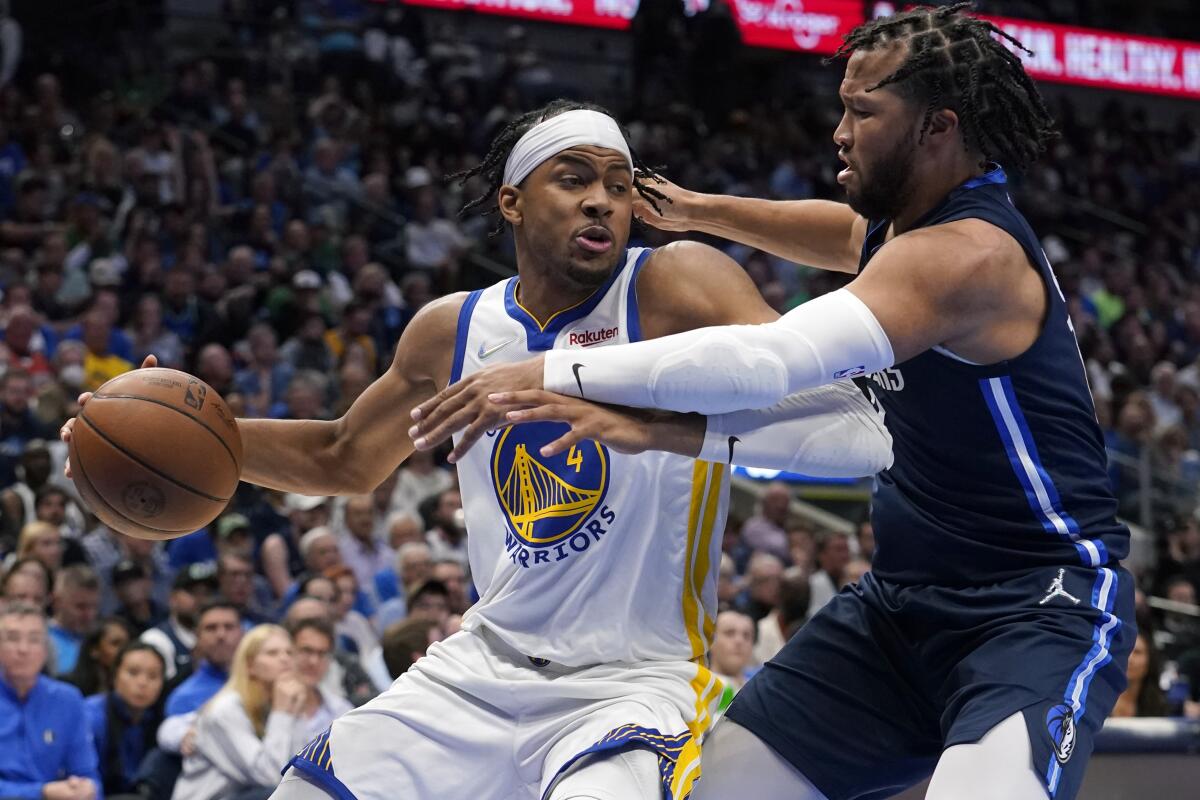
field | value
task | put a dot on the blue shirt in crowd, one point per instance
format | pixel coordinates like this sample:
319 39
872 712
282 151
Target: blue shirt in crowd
43 740
197 690
135 739
65 649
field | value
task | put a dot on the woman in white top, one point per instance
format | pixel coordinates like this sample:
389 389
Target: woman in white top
249 730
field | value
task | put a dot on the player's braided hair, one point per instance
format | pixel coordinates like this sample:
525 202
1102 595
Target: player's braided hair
955 61
492 165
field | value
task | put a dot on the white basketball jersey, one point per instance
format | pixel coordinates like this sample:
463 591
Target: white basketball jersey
590 556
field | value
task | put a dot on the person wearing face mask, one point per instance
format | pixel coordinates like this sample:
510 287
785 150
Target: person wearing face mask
124 719
250 729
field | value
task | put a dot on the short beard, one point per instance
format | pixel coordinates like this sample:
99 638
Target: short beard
889 189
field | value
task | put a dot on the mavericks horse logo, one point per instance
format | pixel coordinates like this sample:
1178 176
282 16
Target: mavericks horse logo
545 500
1060 722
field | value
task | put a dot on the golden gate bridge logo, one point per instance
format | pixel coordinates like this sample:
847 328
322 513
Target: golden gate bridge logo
545 500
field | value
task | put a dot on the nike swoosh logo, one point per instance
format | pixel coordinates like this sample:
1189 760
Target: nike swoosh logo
491 351
732 441
575 369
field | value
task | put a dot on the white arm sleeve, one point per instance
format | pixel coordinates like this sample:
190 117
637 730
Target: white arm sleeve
732 367
829 432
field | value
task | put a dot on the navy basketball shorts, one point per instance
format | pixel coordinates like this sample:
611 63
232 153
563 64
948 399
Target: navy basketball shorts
866 696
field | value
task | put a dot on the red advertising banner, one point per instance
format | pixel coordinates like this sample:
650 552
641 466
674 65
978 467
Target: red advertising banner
593 13
1106 59
815 26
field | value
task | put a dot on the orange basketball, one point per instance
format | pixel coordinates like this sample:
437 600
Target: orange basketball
156 453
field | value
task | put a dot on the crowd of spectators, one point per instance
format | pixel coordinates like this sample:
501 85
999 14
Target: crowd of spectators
270 218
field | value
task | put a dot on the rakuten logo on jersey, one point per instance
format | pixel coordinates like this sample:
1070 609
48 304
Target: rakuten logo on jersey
589 338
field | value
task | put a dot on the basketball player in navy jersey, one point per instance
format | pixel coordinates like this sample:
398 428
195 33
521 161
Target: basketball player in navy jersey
989 641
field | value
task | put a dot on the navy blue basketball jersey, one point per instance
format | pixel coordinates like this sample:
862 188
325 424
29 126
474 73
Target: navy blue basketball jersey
999 468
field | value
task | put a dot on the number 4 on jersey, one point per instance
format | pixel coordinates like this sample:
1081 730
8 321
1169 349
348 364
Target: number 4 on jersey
575 458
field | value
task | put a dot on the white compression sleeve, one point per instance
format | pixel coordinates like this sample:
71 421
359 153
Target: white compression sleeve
829 432
729 368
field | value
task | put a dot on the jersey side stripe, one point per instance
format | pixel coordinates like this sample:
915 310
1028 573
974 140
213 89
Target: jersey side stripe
1022 454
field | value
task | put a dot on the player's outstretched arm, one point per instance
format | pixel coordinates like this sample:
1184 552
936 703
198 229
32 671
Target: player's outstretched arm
353 454
819 233
965 285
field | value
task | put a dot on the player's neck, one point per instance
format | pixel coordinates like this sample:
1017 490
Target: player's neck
543 297
930 187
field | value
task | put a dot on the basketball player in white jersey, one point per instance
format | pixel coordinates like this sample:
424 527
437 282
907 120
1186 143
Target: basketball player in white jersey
580 673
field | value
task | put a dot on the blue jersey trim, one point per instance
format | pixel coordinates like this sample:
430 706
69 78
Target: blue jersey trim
539 337
994 175
633 321
626 737
316 762
1104 593
1039 489
460 334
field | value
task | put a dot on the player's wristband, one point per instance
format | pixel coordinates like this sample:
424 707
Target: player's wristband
729 368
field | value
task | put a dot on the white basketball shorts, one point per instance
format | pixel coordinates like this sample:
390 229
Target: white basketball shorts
475 719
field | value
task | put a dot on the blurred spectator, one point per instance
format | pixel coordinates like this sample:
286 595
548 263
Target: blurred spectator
238 584
865 536
434 244
253 725
175 637
405 643
26 581
763 575
313 641
413 566
149 335
728 583
1142 696
59 763
98 655
430 600
106 549
403 528
218 632
362 551
732 652
346 676
786 618
76 603
132 588
280 553
833 554
101 362
450 573
351 625
765 532
419 479
801 546
18 423
42 542
124 720
265 377
447 535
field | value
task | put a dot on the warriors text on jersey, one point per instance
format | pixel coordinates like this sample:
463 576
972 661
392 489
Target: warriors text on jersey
590 556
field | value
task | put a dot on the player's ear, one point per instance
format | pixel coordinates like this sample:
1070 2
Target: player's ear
943 123
508 198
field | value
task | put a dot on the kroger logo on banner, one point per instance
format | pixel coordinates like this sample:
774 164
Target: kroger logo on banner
807 28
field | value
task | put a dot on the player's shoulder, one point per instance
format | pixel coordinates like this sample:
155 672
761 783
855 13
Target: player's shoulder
686 285
439 316
966 248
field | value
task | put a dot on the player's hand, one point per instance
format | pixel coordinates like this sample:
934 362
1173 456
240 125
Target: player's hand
464 406
64 432
626 430
671 214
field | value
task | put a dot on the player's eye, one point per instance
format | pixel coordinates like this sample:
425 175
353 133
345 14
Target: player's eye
572 180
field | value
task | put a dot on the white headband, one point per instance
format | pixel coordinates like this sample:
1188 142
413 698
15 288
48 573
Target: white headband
569 129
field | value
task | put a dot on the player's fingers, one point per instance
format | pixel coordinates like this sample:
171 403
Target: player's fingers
67 468
83 398
150 361
65 431
437 416
525 397
468 438
567 440
423 411
549 412
426 440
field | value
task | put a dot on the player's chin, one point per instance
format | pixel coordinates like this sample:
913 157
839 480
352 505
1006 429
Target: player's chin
593 268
